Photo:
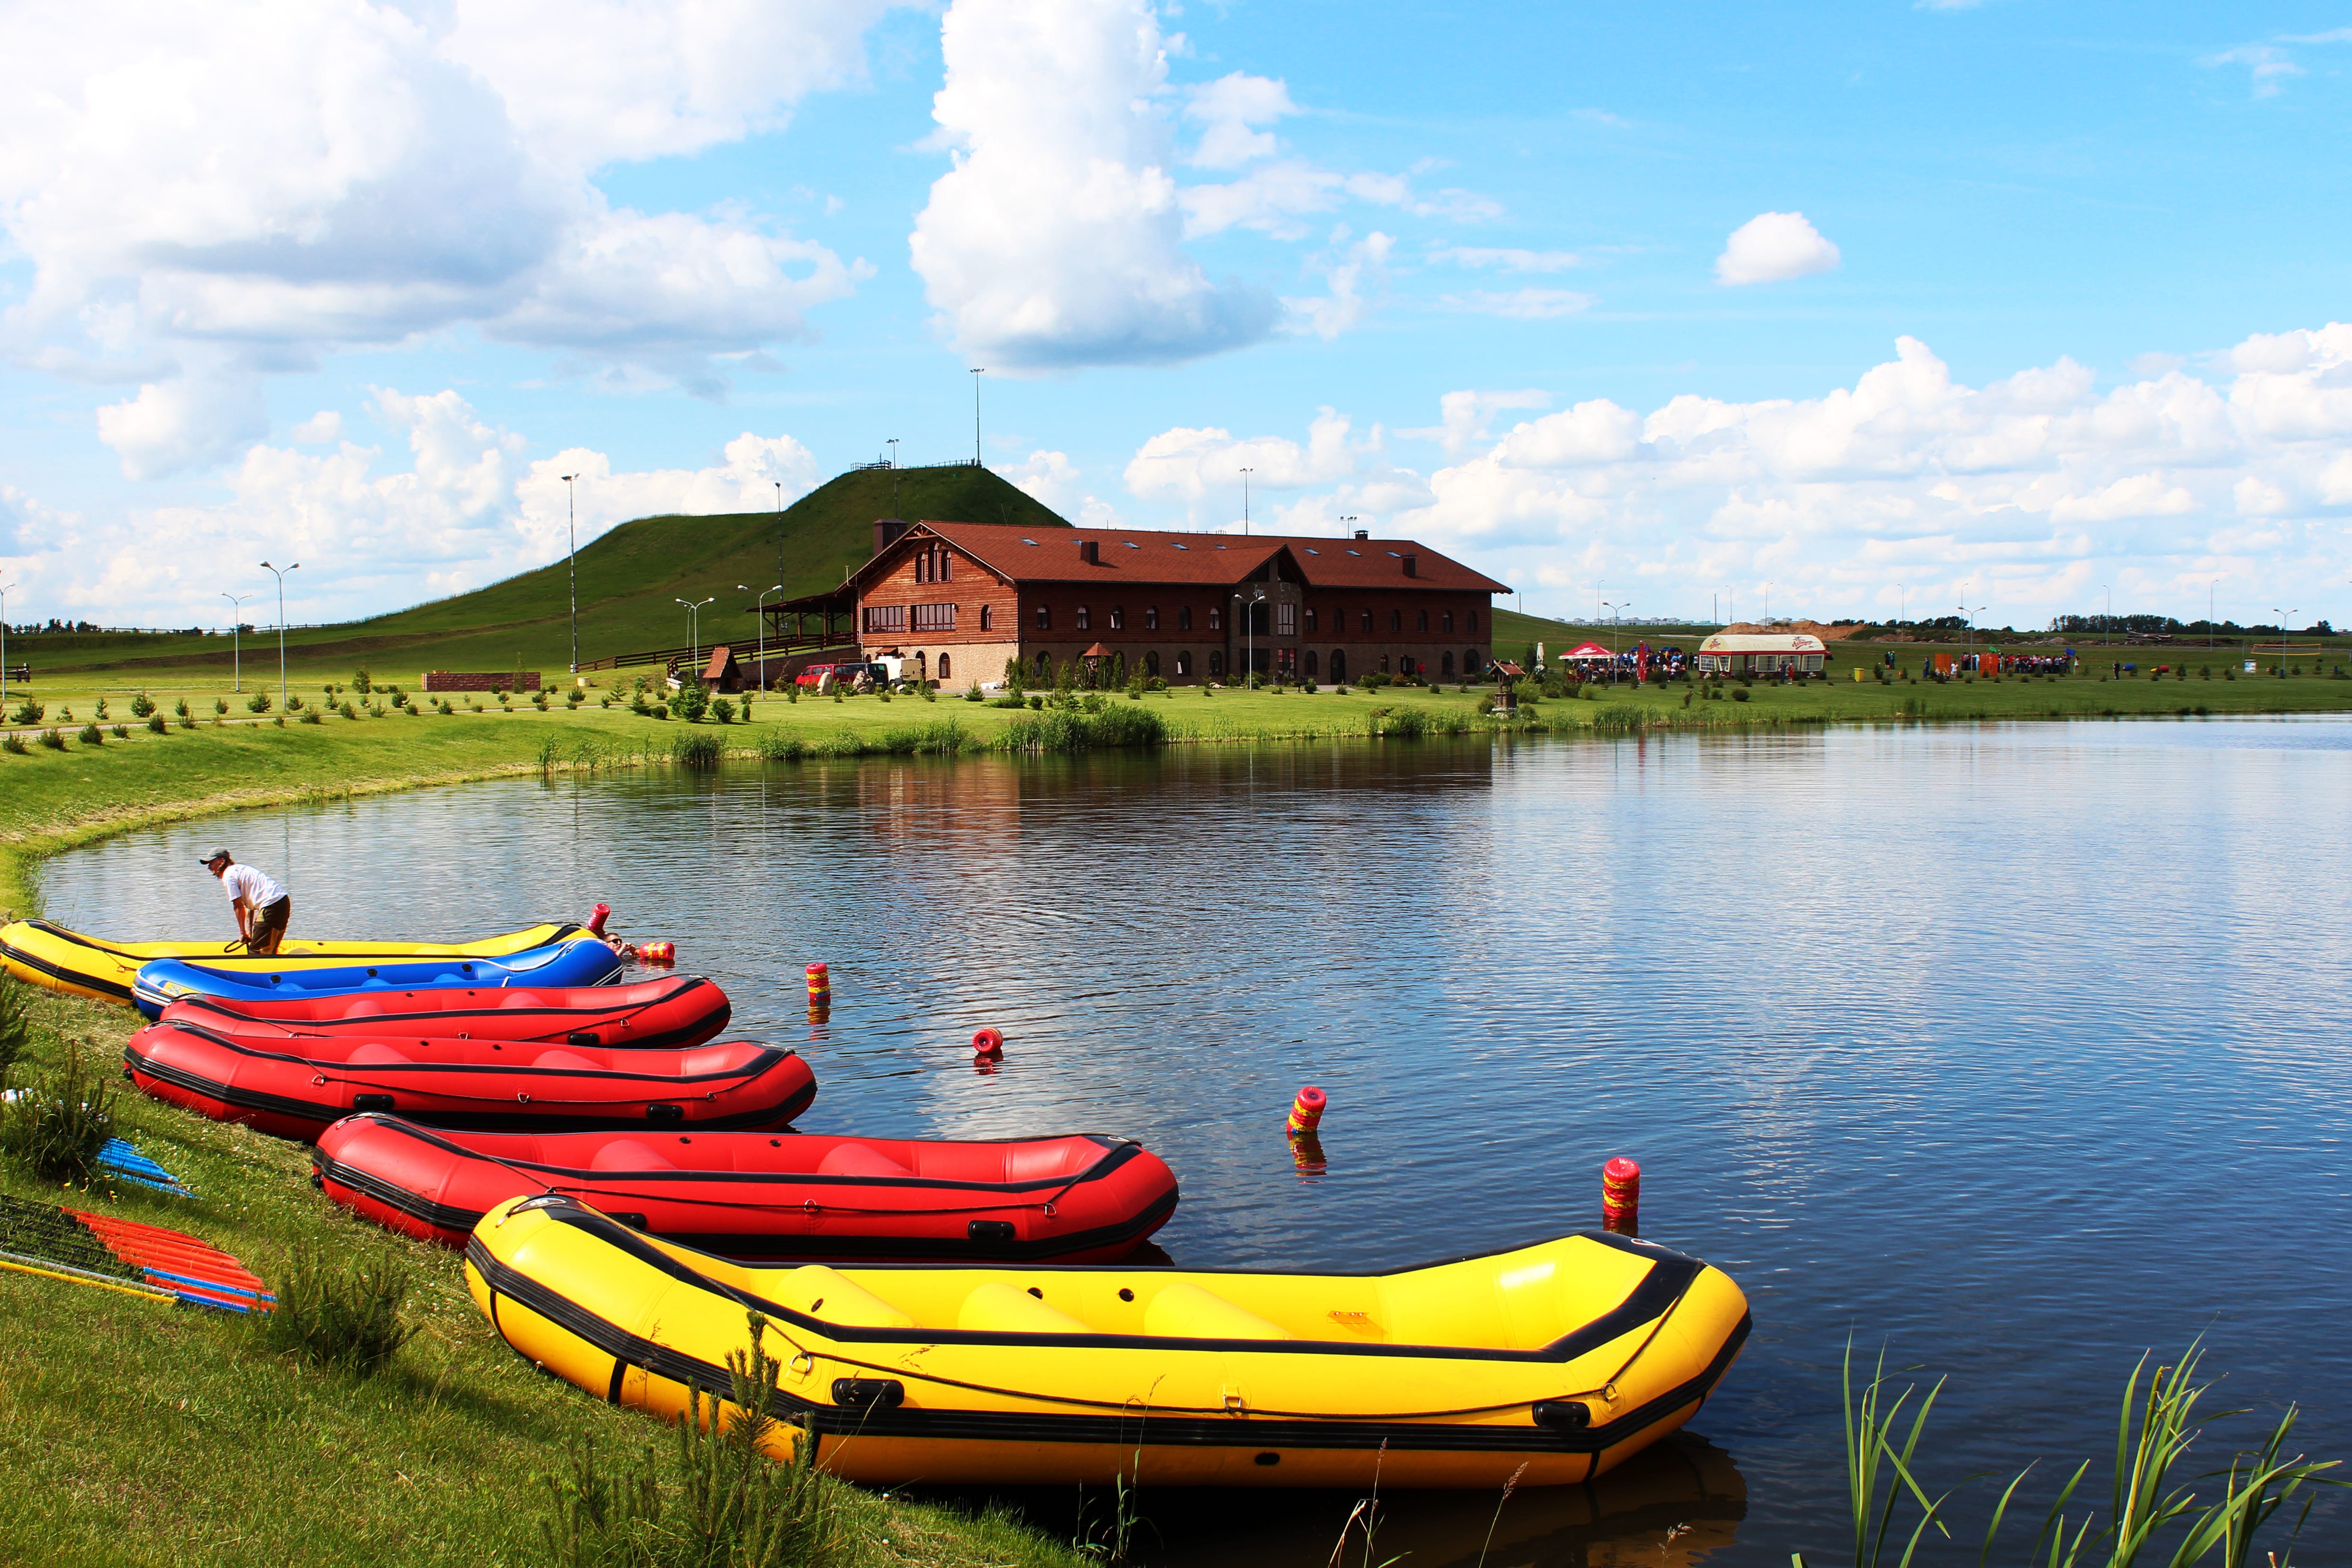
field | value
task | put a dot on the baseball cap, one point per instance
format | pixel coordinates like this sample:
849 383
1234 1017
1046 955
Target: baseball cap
207 859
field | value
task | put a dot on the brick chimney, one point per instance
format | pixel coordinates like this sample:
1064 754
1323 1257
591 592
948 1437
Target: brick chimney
1363 533
1413 565
886 533
1090 552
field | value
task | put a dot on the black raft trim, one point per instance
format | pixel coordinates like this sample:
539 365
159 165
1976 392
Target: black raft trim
1125 1429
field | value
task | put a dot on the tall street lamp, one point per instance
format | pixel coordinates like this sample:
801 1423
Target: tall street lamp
760 609
5 592
1614 620
1245 474
694 628
237 636
572 533
282 631
1972 616
1902 604
778 483
2282 615
977 373
1249 628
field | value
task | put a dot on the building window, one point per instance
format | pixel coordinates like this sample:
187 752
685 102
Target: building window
1405 665
1310 620
1385 664
1420 621
1447 623
1044 666
1471 663
1086 618
1216 662
1447 667
1338 667
1472 623
1151 617
934 617
988 618
1310 663
885 618
947 565
1045 618
1118 617
1151 663
1286 620
943 667
1183 663
1368 619
1396 620
1217 618
931 564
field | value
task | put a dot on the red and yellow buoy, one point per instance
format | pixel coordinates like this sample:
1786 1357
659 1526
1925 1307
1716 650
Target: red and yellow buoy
1621 1197
1306 1111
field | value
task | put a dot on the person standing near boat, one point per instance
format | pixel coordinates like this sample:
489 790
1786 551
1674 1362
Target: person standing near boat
262 906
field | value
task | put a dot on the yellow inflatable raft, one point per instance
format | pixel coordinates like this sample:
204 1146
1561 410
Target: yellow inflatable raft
1565 1357
67 960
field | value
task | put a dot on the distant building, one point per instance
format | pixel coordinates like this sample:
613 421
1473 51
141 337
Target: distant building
959 600
1745 653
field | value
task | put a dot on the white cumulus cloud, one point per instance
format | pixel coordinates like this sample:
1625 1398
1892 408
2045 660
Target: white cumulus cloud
209 193
1772 247
469 505
2025 493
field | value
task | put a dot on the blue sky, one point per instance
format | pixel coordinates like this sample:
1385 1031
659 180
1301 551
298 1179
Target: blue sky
1862 305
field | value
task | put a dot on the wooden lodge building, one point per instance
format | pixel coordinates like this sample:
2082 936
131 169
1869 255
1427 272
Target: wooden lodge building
959 600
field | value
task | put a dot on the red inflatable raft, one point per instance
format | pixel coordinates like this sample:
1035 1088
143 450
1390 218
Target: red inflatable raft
296 1089
668 1013
747 1194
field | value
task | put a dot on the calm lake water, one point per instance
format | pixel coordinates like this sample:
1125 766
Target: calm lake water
2021 1048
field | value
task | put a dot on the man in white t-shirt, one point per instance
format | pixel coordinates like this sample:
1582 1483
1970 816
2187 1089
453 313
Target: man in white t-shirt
262 906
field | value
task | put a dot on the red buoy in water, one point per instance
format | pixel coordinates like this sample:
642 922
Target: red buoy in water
657 952
987 1044
819 985
1306 1111
596 919
1621 1197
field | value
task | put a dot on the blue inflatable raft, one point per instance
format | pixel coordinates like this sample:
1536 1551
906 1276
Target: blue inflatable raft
578 961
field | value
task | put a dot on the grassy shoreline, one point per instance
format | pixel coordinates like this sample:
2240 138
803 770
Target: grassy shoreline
56 800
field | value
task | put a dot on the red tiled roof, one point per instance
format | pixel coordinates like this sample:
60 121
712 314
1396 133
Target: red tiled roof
1146 555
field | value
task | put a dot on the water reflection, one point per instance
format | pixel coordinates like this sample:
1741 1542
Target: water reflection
1676 1504
1950 1037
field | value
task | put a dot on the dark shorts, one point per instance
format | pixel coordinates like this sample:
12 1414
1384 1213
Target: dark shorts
269 924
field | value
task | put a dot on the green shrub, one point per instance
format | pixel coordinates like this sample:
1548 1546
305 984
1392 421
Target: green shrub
341 1313
14 745
257 702
53 740
972 692
722 711
310 715
142 705
363 681
1740 693
15 1024
539 701
695 748
157 724
294 702
691 701
347 710
720 1499
181 707
1068 729
778 747
89 735
940 738
575 696
29 712
1405 724
120 731
56 1129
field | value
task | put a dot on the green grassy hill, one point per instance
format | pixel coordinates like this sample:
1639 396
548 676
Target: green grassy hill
630 579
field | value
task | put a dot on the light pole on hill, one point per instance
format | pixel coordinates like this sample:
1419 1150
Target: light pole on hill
572 533
694 630
893 444
282 631
1902 604
1245 474
1971 616
2282 615
5 592
760 609
978 372
1614 622
237 636
778 483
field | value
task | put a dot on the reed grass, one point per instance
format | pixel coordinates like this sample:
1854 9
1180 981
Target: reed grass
2153 1513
